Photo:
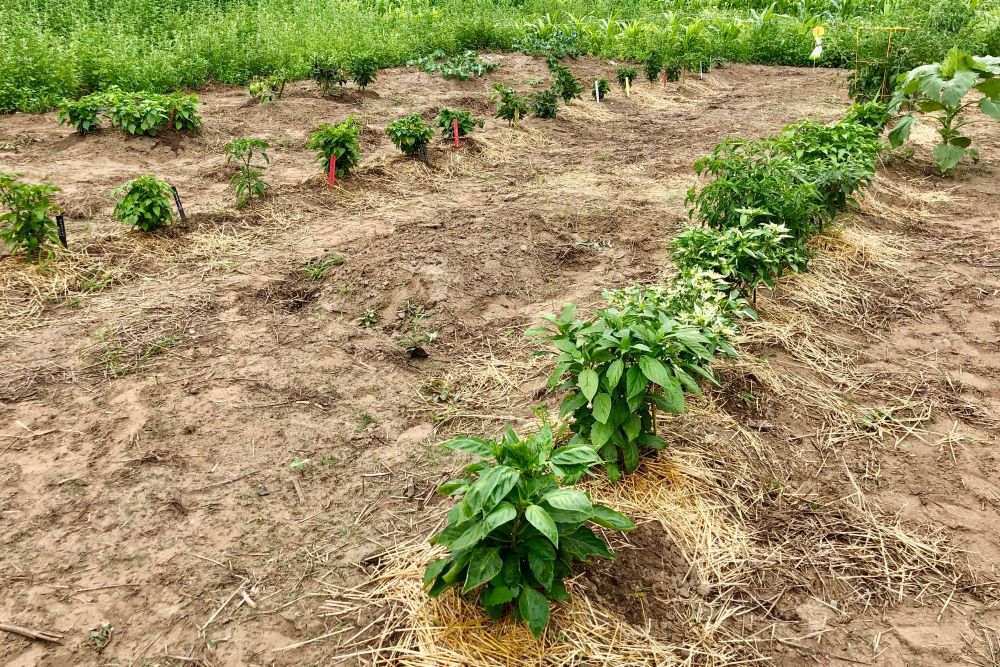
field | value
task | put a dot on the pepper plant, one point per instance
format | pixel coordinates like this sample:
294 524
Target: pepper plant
565 84
83 114
601 88
517 532
248 180
25 224
144 203
410 134
511 107
653 65
363 69
941 88
618 366
545 104
626 74
466 122
341 141
327 73
268 88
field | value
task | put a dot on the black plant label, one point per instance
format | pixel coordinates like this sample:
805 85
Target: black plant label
61 230
177 201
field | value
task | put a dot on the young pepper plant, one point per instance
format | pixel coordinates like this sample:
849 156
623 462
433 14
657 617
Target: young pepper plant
616 367
516 533
26 224
942 87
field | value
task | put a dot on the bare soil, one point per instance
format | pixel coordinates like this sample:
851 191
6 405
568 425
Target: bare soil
156 390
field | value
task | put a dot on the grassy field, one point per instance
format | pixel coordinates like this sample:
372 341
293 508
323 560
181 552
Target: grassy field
50 50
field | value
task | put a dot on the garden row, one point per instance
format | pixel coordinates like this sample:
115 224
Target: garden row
520 526
53 49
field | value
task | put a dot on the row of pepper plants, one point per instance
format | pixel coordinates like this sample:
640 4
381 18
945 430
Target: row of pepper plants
519 527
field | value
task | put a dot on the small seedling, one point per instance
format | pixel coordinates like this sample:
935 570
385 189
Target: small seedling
369 318
600 90
545 104
340 141
466 122
316 269
511 107
410 134
26 225
415 342
101 635
144 203
248 181
299 465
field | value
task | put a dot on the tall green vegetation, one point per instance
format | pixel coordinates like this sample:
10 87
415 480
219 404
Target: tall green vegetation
51 50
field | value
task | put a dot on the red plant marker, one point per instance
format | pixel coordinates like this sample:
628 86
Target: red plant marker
663 77
454 130
333 170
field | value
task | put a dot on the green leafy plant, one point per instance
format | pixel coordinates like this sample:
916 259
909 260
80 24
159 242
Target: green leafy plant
870 114
616 368
673 71
144 203
511 107
416 341
653 65
601 88
341 141
137 114
363 69
545 103
466 122
462 66
268 88
515 535
941 88
25 224
626 74
410 134
183 111
318 267
83 114
328 73
565 84
746 257
248 180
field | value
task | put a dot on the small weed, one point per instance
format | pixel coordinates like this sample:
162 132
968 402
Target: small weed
317 268
299 465
101 635
369 318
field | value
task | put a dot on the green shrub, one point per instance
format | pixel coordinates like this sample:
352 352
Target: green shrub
601 87
268 88
466 122
673 71
517 532
144 203
25 225
328 73
363 69
410 134
870 114
653 65
511 107
248 181
83 114
565 84
626 74
341 141
461 67
182 108
545 104
138 114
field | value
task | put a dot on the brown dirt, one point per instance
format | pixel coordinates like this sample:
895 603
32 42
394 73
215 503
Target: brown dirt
154 390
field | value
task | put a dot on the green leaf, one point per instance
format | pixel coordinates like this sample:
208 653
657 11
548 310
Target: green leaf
453 487
572 455
483 566
607 517
495 596
948 156
541 520
534 610
901 132
541 561
582 543
632 426
602 407
588 382
989 107
630 456
434 569
635 382
504 513
655 371
569 500
614 373
990 88
471 445
571 403
601 434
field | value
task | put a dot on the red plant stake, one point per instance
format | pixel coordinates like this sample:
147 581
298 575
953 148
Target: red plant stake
454 130
333 170
663 77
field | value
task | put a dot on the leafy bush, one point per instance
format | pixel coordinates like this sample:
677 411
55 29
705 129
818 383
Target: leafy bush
626 74
466 122
601 87
754 175
516 533
838 159
144 203
630 358
653 65
511 107
746 257
26 225
137 114
565 84
327 73
545 104
410 134
341 141
673 71
942 87
870 114
363 70
83 114
248 181
268 88
462 67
